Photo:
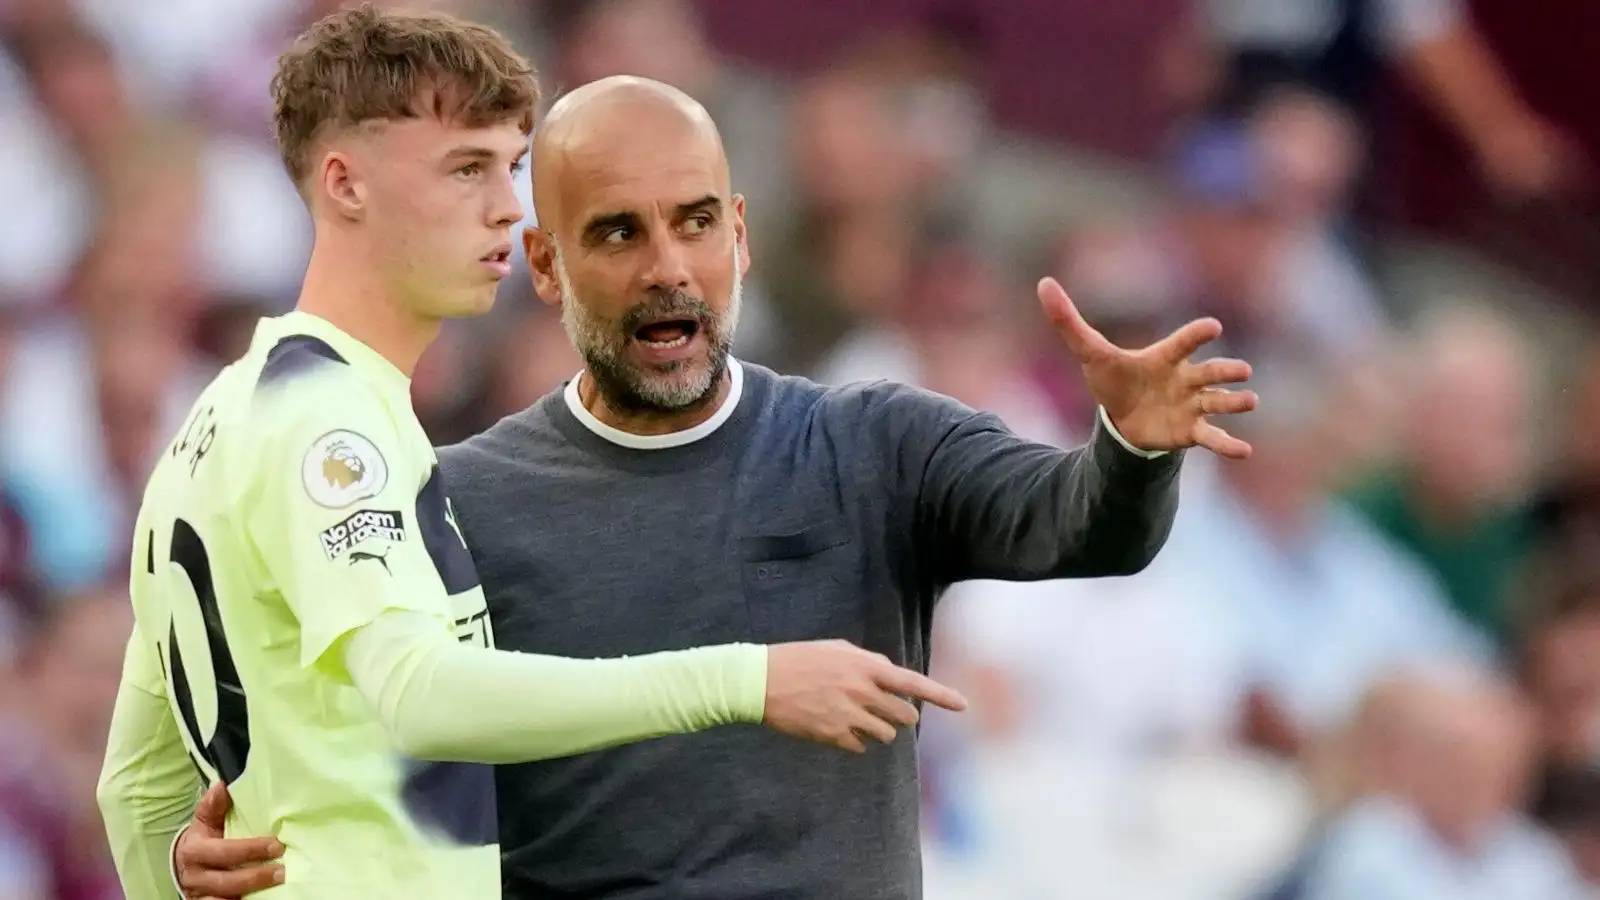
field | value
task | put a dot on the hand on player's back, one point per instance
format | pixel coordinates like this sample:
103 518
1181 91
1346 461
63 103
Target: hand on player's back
213 867
835 693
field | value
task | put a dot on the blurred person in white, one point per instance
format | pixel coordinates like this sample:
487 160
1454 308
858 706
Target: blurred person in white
1437 810
1316 604
63 119
1456 495
52 737
1227 51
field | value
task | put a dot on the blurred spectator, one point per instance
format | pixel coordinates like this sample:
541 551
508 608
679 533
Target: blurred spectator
665 40
1569 805
1307 601
1438 807
846 251
954 330
52 845
1560 661
1456 496
1231 51
1310 150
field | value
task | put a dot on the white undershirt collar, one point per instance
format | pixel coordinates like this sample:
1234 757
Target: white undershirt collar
659 441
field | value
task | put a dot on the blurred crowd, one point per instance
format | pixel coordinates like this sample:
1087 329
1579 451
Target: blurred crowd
1367 664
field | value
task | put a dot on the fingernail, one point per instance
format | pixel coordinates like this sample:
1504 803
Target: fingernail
275 848
277 875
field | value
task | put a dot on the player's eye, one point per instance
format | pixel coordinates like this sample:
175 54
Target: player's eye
518 167
470 170
616 236
699 224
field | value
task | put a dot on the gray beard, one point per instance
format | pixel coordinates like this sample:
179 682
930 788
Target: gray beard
625 387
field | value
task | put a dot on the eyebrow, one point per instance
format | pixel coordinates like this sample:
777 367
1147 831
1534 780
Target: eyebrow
628 219
480 154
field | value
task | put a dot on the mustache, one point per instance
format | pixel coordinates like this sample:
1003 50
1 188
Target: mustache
664 304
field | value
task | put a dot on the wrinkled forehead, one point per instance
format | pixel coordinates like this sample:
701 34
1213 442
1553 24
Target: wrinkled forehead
640 173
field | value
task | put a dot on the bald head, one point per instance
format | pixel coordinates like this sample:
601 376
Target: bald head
641 243
617 121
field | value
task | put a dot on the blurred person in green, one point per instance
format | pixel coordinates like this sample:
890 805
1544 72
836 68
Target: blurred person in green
1455 496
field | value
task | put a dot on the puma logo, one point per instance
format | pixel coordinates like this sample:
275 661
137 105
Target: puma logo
380 559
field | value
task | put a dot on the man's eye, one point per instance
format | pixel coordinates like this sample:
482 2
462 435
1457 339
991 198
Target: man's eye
470 170
699 224
616 236
518 167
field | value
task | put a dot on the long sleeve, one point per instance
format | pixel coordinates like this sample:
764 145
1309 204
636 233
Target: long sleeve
443 700
148 786
989 504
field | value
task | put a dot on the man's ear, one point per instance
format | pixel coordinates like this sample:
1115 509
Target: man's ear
541 251
741 235
346 193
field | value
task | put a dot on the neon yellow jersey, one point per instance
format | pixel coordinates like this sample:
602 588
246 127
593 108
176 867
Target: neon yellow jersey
302 500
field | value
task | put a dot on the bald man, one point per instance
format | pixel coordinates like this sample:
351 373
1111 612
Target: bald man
670 496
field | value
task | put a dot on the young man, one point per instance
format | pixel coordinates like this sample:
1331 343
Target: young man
309 619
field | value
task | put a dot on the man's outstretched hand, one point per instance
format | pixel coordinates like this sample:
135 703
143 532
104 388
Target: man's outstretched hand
1156 397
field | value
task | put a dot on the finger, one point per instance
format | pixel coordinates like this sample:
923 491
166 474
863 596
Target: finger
1217 371
917 686
1226 403
1081 338
1220 442
850 741
893 710
866 724
212 810
232 884
228 853
1181 344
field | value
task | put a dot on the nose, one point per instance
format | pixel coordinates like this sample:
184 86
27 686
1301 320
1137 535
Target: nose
668 263
505 207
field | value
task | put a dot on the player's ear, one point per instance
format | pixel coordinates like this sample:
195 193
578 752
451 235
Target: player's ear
741 236
541 250
343 188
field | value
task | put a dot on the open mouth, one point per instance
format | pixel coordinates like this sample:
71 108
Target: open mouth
500 255
667 333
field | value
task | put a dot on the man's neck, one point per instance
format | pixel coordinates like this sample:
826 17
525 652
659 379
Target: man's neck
347 296
651 423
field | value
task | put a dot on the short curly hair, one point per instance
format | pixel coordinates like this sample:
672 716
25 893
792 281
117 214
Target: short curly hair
364 65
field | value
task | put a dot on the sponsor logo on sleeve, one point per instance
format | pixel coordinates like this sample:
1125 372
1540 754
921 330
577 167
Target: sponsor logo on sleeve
358 529
342 468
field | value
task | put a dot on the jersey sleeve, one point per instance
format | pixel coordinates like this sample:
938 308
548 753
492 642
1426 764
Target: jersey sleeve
334 517
148 786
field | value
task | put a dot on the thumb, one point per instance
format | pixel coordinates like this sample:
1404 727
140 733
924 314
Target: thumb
1082 339
212 810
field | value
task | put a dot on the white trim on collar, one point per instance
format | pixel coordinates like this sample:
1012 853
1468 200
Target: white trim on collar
659 441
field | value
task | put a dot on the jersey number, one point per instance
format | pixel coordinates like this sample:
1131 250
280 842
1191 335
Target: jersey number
229 748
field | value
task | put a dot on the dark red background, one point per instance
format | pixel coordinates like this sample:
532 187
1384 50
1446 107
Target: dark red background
1079 70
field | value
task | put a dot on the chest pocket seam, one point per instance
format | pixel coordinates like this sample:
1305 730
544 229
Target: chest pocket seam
793 588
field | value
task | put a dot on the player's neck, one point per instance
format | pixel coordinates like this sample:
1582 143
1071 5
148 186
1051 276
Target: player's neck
350 298
650 424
